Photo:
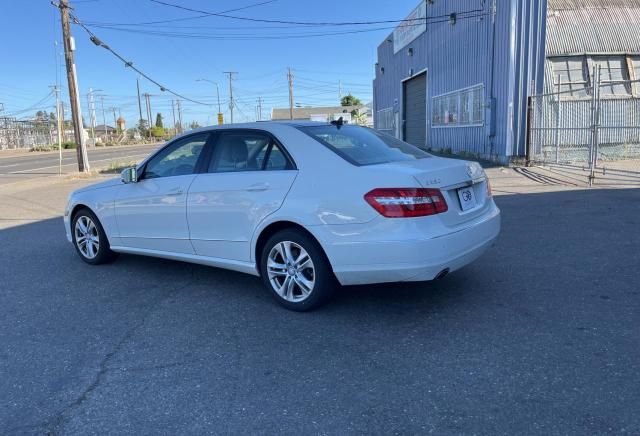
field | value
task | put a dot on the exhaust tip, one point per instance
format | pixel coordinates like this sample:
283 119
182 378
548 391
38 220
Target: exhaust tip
441 274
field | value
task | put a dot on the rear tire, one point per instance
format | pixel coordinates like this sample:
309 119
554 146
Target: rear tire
296 271
89 238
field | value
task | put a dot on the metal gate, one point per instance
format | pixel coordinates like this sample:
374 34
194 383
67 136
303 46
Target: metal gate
595 136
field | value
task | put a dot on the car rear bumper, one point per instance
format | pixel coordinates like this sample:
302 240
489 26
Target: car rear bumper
379 261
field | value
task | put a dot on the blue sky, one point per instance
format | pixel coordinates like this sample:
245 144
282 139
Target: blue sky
177 53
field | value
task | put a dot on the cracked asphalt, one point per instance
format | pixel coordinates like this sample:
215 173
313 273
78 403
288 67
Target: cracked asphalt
539 336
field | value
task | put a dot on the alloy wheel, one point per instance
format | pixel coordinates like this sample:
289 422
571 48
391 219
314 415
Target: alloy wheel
87 237
291 271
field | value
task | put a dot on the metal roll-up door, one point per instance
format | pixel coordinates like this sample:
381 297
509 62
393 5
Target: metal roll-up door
415 110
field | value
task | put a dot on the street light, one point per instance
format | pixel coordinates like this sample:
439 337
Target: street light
217 92
92 113
104 118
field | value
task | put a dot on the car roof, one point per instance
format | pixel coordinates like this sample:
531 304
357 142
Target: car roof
259 125
264 124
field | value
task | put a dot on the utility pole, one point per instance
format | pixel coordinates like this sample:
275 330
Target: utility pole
147 101
58 127
259 108
173 111
104 118
290 79
231 101
92 116
139 104
74 97
115 119
179 114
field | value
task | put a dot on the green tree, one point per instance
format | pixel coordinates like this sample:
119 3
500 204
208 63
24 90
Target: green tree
350 100
157 132
142 127
358 117
159 120
194 125
52 117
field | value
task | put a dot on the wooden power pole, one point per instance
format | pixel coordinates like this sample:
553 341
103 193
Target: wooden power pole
290 79
74 95
231 101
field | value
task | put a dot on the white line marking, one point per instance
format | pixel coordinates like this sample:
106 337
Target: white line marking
30 171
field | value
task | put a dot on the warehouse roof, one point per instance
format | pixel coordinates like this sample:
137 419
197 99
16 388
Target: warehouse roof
593 26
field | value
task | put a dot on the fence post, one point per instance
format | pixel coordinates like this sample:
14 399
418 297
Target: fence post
558 114
529 133
595 102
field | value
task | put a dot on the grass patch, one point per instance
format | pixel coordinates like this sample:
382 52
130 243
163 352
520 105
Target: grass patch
117 167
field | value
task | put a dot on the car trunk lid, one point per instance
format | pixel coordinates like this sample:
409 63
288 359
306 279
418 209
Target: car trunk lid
454 178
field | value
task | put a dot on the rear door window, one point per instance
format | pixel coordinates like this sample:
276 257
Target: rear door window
247 151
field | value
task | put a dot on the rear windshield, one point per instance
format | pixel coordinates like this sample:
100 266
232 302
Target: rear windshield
363 146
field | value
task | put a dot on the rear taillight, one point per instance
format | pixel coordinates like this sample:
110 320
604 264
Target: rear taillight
406 202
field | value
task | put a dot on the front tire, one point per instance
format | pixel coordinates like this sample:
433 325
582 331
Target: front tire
296 271
89 238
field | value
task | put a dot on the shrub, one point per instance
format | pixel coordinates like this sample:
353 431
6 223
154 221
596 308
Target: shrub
157 132
50 147
69 145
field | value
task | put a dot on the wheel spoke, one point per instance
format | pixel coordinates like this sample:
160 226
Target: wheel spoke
82 224
290 287
284 288
286 248
276 269
302 259
305 284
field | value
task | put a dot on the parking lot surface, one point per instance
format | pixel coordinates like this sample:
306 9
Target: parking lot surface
539 336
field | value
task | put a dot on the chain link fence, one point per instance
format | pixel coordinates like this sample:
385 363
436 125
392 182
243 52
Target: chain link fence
16 134
595 135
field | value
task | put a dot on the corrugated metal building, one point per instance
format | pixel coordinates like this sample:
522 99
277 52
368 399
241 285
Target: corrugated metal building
456 74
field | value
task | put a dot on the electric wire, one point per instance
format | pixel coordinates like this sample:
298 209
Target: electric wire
127 63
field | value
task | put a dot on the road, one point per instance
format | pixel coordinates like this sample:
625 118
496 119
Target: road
539 336
25 166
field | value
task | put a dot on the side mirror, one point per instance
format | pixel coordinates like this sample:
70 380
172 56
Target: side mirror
129 175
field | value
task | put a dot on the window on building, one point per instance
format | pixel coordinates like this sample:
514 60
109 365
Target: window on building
613 71
464 107
384 119
569 76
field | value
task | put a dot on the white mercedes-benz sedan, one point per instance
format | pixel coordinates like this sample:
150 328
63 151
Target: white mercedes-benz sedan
306 206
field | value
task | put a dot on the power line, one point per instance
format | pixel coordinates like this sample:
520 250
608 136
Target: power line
173 20
304 23
127 63
36 105
257 36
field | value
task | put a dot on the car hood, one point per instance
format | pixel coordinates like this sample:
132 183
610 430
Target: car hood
105 184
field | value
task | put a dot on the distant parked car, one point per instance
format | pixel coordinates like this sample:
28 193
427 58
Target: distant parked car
304 205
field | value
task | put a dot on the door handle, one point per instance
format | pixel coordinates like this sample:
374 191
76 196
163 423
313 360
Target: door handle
258 187
176 191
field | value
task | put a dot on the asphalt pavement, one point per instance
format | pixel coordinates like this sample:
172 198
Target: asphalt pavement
16 167
539 336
